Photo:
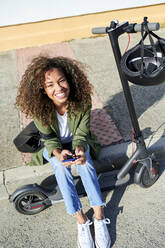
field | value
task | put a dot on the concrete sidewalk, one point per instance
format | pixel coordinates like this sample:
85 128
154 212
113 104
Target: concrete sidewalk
97 55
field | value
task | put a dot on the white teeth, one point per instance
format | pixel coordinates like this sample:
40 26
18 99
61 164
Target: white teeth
60 94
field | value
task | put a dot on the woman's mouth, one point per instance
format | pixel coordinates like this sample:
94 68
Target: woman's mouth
61 95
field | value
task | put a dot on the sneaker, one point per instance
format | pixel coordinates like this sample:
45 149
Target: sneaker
102 237
84 235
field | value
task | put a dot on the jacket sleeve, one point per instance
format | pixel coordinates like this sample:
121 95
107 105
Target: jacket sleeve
82 130
50 143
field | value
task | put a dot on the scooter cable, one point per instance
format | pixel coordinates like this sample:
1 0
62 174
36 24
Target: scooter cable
127 43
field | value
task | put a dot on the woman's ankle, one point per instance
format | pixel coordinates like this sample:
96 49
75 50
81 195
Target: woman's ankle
98 213
80 217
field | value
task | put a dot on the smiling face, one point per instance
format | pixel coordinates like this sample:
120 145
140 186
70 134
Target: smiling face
56 87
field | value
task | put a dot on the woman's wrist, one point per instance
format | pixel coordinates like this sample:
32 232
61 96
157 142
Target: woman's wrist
57 153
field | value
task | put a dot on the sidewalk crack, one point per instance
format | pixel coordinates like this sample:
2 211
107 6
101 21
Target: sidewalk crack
4 182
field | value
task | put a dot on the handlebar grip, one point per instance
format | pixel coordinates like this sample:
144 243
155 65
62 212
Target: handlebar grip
153 26
99 30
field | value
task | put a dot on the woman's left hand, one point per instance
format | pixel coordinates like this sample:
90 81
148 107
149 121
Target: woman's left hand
80 153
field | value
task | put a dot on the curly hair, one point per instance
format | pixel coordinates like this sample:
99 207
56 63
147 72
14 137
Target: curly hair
31 99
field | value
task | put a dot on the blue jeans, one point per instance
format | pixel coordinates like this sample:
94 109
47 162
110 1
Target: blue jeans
66 183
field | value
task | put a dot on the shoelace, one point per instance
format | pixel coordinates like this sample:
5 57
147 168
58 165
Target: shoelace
82 227
107 221
87 223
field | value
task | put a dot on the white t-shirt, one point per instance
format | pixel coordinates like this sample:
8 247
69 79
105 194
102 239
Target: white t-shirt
65 133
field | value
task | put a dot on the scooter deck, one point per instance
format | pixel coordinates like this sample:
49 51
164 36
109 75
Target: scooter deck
107 181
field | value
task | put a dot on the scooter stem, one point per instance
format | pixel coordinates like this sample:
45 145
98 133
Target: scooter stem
141 151
114 34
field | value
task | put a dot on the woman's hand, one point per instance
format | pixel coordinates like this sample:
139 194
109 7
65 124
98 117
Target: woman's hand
62 155
80 153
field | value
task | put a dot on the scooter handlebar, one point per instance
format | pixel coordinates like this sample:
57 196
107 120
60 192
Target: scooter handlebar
152 26
99 30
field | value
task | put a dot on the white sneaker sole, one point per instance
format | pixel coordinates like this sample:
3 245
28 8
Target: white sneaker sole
108 245
79 246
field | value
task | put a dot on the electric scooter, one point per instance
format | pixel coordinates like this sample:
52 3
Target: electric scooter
33 198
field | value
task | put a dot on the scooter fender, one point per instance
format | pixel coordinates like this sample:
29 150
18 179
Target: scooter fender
138 174
26 188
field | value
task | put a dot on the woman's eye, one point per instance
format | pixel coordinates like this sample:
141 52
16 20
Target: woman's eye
62 80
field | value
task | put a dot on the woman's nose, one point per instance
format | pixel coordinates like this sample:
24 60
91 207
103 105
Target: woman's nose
58 85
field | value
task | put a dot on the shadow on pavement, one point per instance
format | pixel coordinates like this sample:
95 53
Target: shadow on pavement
111 211
113 208
143 98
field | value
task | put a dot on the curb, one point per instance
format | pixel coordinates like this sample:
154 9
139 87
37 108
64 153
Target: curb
116 154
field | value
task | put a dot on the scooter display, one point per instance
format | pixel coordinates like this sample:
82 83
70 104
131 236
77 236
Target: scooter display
32 198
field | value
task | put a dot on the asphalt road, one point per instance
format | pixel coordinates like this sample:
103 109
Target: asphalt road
137 220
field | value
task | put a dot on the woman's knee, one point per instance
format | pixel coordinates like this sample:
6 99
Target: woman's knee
86 169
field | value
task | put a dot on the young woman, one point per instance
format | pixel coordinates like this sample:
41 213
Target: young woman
56 93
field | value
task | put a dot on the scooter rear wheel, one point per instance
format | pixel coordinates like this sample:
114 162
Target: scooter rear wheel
146 180
23 202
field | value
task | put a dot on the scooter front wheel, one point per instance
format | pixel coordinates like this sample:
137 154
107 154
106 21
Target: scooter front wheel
148 180
30 202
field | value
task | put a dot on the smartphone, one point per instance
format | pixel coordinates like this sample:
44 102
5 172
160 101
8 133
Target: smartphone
69 158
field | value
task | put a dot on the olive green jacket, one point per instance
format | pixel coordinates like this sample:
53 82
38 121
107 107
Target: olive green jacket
78 125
